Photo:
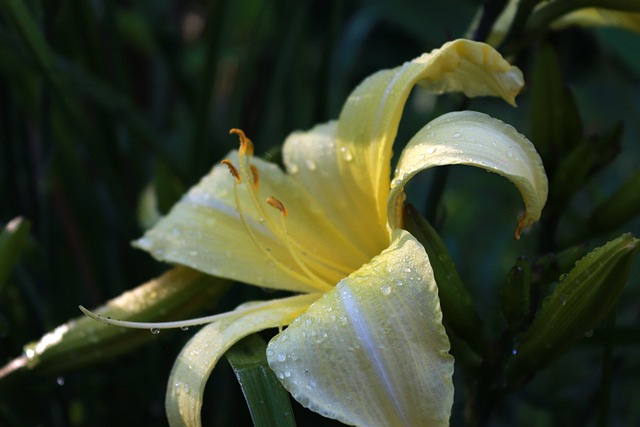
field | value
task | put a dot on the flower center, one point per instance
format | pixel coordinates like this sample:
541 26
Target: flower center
247 174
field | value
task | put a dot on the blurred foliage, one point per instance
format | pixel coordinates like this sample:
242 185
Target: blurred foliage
110 110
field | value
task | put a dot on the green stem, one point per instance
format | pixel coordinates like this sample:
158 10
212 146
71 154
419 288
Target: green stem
215 28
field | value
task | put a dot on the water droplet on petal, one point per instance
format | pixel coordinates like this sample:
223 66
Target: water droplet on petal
155 331
293 168
310 164
184 328
346 154
509 153
431 150
386 289
456 135
60 380
281 357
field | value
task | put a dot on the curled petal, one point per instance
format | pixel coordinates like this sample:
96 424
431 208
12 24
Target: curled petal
596 17
373 351
369 121
475 139
197 359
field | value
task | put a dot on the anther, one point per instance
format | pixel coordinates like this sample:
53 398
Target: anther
522 223
278 205
246 146
256 176
232 169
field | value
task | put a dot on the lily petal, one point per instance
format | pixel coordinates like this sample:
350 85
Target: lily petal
200 355
596 17
476 139
310 158
372 351
369 120
204 231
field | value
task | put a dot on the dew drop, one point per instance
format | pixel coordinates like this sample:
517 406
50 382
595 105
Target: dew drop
184 328
281 357
456 135
346 154
311 165
155 331
431 150
509 154
60 380
280 375
293 168
514 352
399 282
386 289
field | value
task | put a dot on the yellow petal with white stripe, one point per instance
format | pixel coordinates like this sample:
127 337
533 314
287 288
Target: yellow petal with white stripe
372 351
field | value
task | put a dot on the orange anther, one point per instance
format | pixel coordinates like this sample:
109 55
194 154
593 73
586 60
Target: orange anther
522 223
232 169
278 205
256 176
246 146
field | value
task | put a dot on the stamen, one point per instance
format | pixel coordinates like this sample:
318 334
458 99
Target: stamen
249 173
303 279
278 205
256 176
246 146
290 246
233 170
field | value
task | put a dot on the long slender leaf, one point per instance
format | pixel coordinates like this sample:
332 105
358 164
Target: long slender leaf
268 401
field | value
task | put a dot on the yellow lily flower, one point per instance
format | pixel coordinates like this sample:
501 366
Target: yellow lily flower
365 343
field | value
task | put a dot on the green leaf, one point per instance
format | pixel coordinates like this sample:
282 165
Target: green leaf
583 161
581 300
12 241
457 306
515 295
620 207
82 341
556 126
268 401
